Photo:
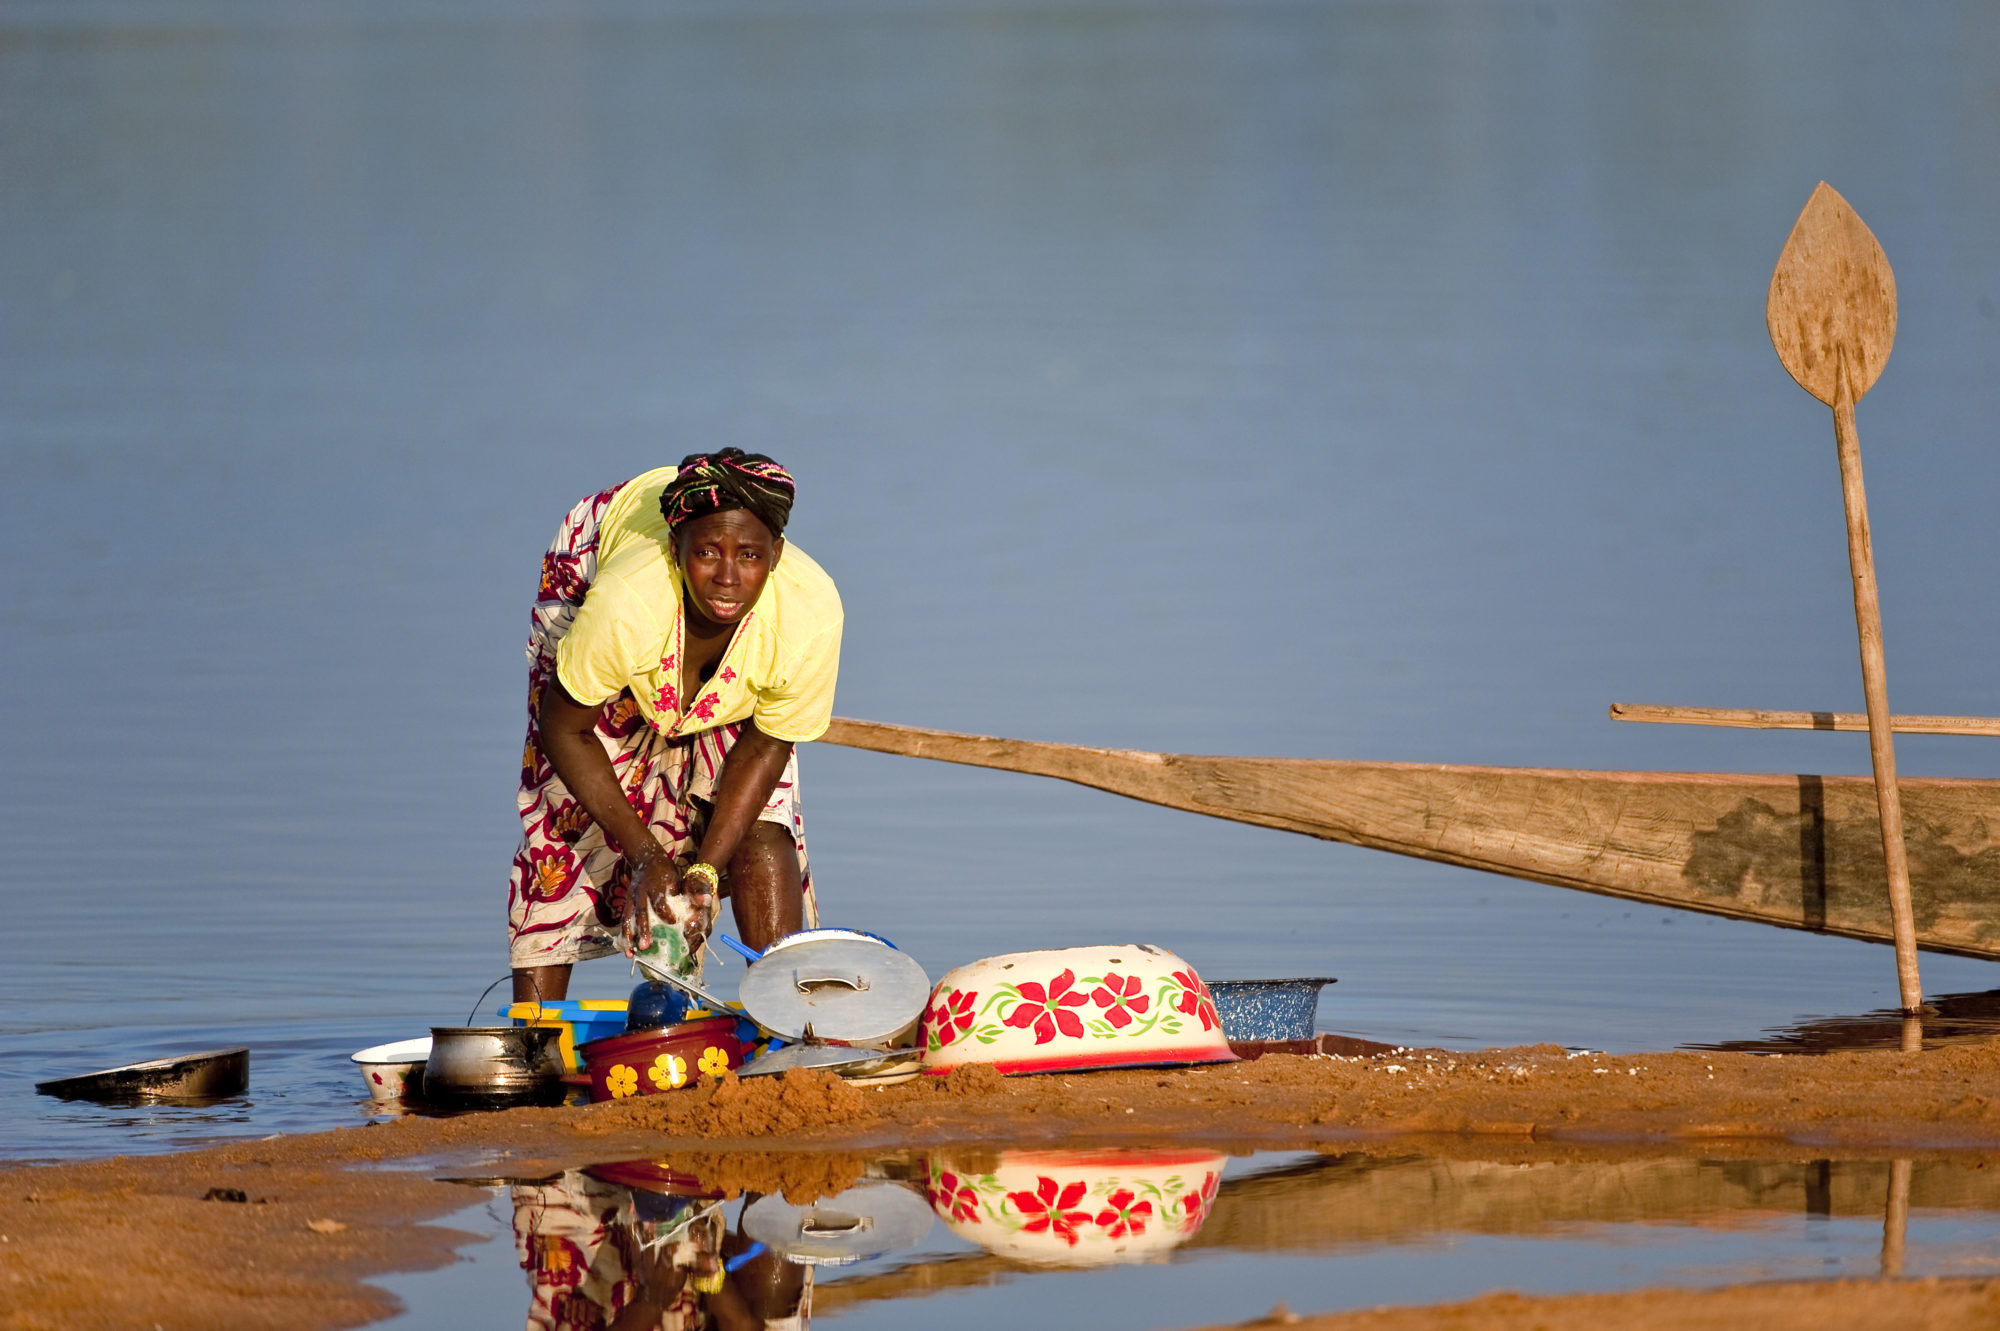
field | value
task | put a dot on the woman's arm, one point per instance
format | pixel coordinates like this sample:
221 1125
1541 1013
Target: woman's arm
749 774
569 740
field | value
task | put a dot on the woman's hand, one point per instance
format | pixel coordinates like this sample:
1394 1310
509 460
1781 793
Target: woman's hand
654 890
658 890
650 881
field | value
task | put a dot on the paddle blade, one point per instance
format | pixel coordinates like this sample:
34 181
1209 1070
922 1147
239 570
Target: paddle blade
1832 301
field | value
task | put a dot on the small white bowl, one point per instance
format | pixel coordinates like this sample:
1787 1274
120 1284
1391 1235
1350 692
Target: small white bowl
391 1070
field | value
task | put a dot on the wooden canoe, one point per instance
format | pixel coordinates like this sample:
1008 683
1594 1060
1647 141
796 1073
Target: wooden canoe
1800 852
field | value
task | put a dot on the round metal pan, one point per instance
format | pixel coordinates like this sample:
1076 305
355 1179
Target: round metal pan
849 989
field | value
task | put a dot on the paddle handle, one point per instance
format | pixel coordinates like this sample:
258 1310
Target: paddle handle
1750 718
1875 688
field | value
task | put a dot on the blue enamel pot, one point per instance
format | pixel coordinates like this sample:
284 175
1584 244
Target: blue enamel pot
1268 1009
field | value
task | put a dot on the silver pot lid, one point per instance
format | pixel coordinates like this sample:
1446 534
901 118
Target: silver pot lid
854 990
863 1222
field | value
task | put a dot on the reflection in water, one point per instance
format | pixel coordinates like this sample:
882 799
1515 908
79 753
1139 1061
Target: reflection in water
650 1244
1896 1218
1330 1204
646 1243
1067 1208
1947 1019
641 1245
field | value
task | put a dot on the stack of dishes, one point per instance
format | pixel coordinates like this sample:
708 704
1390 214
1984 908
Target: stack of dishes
837 999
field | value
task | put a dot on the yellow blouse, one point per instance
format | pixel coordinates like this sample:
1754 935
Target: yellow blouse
778 670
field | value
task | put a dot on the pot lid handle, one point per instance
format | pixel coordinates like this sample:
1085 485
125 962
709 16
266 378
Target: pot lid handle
846 979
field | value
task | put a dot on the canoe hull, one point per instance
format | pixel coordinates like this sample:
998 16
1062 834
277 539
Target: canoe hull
1796 851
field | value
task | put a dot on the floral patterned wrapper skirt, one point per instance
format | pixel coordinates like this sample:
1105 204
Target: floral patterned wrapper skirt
566 894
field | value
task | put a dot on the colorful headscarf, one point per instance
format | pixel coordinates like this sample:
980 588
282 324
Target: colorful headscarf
714 482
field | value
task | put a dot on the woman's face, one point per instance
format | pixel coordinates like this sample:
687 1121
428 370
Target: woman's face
725 558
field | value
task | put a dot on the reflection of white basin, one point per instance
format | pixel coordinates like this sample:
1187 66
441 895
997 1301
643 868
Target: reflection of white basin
391 1069
1076 1208
1071 1009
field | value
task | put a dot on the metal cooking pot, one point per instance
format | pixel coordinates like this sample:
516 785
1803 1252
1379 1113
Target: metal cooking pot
494 1064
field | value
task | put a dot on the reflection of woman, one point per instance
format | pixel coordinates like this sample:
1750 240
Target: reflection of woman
601 1257
680 649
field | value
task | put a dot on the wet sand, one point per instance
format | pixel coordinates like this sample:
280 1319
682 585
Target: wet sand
132 1242
1830 1305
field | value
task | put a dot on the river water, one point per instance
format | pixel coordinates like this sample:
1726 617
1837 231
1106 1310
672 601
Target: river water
1332 380
1186 1238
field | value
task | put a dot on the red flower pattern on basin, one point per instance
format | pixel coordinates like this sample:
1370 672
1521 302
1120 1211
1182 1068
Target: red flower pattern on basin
1119 996
1075 1208
1052 1207
1047 1009
948 1017
1124 1213
1194 1206
1194 999
952 1197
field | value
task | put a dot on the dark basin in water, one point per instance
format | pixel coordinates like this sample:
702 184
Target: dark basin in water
214 1074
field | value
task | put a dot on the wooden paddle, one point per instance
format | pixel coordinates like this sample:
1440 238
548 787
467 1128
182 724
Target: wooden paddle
1832 317
1751 718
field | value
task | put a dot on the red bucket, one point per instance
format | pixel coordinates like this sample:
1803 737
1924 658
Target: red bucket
652 1062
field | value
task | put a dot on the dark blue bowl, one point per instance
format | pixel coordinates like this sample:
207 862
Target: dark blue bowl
1267 1009
653 1005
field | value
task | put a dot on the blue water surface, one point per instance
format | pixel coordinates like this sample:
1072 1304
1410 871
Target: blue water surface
1336 380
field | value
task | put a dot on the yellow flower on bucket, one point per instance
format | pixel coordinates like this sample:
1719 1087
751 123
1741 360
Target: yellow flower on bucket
621 1081
714 1061
668 1071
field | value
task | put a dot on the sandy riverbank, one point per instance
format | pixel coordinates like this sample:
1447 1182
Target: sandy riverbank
132 1242
1832 1305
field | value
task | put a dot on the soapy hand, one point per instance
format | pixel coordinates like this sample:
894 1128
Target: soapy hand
657 892
651 883
694 904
